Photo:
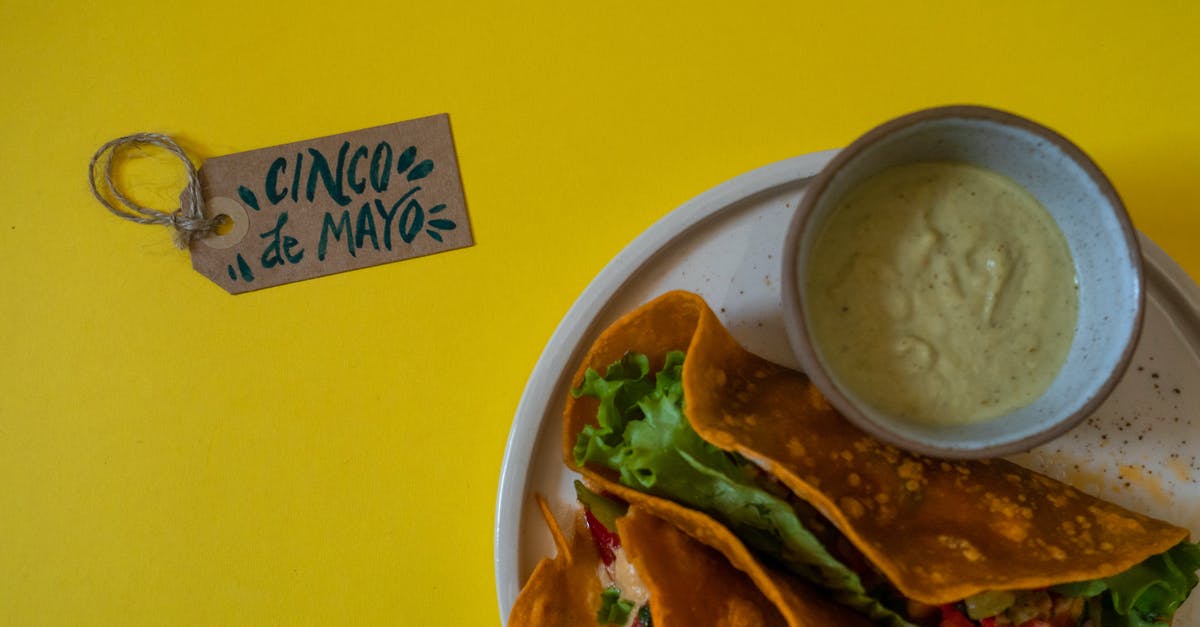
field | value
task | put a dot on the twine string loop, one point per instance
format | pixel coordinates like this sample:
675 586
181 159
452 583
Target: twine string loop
188 221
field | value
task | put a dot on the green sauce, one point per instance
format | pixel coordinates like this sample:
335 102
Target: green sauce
942 293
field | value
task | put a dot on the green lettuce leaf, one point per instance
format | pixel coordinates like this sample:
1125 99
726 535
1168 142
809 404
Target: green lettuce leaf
1147 594
643 435
613 609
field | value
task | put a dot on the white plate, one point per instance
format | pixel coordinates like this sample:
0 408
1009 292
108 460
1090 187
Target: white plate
1137 450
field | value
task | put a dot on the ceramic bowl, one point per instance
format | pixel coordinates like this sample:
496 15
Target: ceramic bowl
1085 207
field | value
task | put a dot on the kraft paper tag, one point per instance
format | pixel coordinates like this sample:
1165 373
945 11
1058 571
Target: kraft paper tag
322 206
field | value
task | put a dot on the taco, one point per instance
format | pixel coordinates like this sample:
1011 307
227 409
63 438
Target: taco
626 566
683 413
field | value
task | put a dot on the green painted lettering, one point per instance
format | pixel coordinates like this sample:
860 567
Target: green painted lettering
411 221
366 226
280 249
338 228
388 216
356 184
272 184
320 169
296 177
381 167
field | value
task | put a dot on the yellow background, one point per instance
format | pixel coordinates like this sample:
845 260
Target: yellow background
328 452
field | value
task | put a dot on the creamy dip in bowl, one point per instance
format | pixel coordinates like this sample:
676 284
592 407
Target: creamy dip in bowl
962 282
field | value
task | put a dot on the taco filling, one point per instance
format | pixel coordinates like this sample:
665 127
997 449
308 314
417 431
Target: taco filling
642 435
624 599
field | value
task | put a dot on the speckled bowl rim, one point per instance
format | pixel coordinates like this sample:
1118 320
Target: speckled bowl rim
796 324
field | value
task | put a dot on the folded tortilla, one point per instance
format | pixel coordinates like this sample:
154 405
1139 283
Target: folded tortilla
940 531
798 601
689 583
563 590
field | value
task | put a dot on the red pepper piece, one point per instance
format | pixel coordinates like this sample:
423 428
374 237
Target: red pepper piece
606 541
951 617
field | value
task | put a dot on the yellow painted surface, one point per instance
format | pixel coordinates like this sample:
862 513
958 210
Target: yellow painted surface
328 452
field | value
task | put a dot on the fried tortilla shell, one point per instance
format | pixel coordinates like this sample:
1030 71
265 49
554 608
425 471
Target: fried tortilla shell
939 530
690 584
563 591
800 604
